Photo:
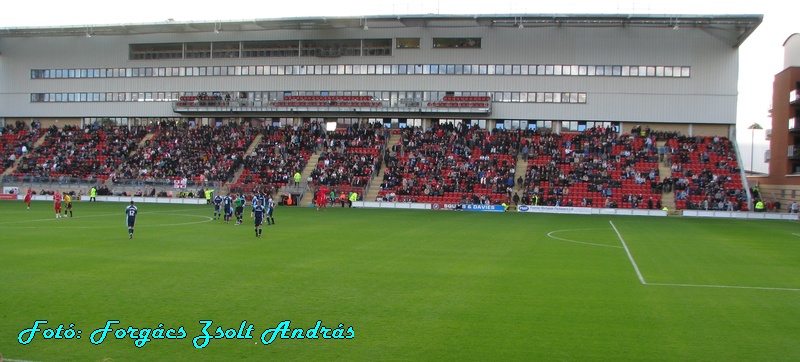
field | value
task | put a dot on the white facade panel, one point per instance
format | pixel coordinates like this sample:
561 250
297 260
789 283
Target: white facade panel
707 96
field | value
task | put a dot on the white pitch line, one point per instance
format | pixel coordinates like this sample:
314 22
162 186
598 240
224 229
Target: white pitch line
121 215
625 246
723 286
580 242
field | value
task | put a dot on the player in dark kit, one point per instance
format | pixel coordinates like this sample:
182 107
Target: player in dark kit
217 204
227 207
258 217
130 215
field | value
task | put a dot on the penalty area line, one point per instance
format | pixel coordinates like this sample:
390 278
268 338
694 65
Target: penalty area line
641 278
630 257
723 286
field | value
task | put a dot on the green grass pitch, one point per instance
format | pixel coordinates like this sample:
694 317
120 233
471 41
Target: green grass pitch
412 285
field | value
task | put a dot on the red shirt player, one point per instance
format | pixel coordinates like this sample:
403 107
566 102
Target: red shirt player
57 204
322 198
28 197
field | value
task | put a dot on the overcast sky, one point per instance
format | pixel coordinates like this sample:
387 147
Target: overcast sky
761 54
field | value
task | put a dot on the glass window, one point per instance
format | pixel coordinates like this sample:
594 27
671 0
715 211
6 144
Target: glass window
499 69
651 71
456 42
468 69
686 71
599 70
532 69
434 68
403 43
667 71
482 69
402 69
515 70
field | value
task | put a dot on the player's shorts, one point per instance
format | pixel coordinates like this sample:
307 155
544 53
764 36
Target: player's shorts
239 210
216 207
69 206
258 221
57 206
270 210
228 211
131 221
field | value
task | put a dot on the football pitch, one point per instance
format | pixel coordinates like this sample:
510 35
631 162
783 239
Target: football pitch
405 285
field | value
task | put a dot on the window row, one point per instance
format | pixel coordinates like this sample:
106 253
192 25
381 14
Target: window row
261 99
256 49
660 71
394 123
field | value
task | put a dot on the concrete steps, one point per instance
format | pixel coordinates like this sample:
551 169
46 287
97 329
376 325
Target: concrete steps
375 184
667 199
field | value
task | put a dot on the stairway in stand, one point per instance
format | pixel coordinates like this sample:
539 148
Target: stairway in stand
308 194
519 171
375 184
667 199
249 150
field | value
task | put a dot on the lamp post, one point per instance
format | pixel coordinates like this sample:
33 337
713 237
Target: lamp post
753 127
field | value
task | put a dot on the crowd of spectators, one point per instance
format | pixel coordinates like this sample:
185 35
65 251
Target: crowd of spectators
596 167
706 174
455 163
88 153
201 153
16 140
281 153
349 158
450 161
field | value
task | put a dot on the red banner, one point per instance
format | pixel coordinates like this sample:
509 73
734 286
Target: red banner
8 197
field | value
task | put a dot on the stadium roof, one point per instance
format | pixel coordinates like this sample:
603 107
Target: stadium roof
731 29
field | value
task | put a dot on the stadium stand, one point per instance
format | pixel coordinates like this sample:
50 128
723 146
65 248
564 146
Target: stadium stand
69 154
198 153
